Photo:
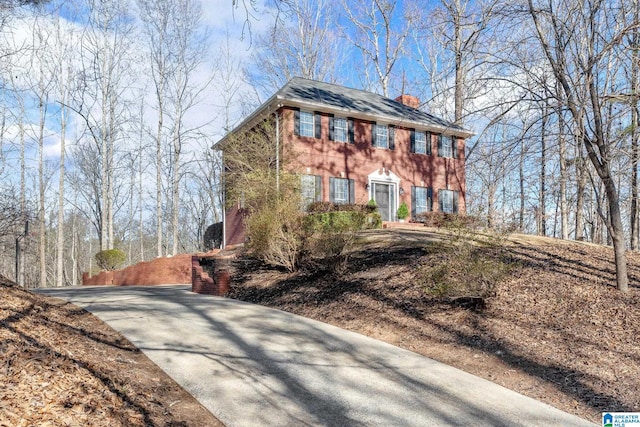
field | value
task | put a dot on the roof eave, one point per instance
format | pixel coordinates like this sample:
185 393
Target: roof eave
277 101
460 132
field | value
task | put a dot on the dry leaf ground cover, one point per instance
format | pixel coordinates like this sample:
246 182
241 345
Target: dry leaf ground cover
61 366
556 330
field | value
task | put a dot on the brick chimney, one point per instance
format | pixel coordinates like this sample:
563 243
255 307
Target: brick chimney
408 100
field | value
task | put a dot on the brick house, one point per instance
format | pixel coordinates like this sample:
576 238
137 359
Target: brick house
353 146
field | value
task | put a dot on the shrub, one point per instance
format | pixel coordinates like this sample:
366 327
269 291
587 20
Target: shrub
275 233
330 236
403 211
442 219
466 274
468 265
110 259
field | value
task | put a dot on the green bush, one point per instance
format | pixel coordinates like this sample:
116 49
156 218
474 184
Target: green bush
335 221
403 211
110 259
330 236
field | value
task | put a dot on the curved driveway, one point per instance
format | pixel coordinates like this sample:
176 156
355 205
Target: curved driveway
255 366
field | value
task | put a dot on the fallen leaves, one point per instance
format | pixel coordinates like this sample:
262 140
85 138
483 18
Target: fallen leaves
60 366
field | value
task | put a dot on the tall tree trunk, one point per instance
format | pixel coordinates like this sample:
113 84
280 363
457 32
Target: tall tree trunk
41 207
159 184
562 159
522 196
23 197
635 151
581 185
460 74
110 147
60 242
542 231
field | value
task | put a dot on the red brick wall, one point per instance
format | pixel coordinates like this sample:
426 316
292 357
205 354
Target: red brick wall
160 271
234 227
356 161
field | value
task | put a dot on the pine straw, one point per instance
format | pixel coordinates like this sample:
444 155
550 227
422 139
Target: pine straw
557 329
61 366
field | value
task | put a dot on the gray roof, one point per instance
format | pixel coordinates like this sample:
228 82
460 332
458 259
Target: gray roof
359 102
348 102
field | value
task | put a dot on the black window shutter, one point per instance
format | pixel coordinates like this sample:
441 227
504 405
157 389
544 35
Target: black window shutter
429 199
332 189
351 131
352 191
318 188
374 126
428 138
413 141
455 202
413 202
392 137
440 200
439 150
317 121
454 143
331 127
296 122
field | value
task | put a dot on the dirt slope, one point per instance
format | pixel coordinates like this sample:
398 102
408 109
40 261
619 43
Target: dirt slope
557 330
61 366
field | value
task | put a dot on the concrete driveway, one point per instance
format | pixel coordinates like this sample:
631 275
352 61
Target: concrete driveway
255 366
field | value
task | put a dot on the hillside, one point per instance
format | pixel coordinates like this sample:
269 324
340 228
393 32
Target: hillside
61 366
556 329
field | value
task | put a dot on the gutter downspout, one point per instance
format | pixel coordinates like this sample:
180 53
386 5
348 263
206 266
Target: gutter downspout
224 204
277 151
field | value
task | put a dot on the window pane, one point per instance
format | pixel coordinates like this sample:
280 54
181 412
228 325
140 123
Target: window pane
306 124
341 190
340 132
447 146
382 136
308 189
421 143
421 200
447 201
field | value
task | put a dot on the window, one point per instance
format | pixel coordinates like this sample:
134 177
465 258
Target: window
342 190
310 189
420 142
340 129
421 200
447 146
380 136
448 201
307 127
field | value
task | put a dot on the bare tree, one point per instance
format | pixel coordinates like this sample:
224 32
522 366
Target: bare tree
579 41
99 96
302 43
380 30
